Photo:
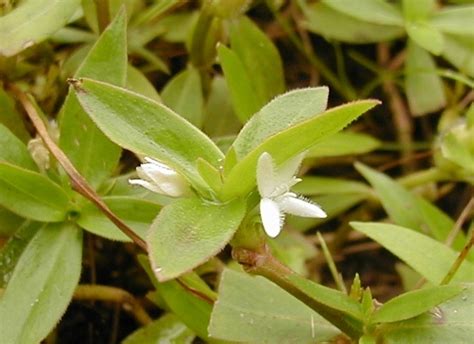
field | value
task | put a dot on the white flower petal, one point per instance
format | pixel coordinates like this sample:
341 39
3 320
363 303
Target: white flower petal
286 171
300 207
147 185
272 217
266 180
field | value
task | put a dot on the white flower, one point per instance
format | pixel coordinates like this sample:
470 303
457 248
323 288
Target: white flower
277 200
160 178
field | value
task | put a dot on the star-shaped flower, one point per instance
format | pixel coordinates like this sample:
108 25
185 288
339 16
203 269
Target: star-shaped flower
158 177
277 200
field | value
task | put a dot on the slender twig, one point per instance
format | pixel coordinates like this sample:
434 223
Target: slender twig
77 180
112 294
332 266
457 263
459 222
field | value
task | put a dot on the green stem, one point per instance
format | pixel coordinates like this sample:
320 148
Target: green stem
112 294
331 78
423 177
461 257
325 301
332 266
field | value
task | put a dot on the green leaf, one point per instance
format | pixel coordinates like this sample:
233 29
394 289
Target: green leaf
138 82
167 329
42 284
148 128
90 151
183 94
418 10
220 119
424 87
259 57
343 143
31 194
417 250
332 24
297 139
426 36
371 11
453 20
10 117
32 22
14 151
450 322
281 113
409 210
210 174
190 225
458 153
192 310
12 250
460 52
240 86
138 214
254 310
414 303
311 185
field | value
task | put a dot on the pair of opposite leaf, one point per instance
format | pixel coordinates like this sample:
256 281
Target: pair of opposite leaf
273 184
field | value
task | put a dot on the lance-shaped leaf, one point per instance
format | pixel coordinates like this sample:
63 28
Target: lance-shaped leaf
417 250
33 21
14 151
343 143
254 310
42 284
453 20
31 194
189 232
409 210
295 140
91 152
281 113
450 322
147 127
414 303
259 57
10 117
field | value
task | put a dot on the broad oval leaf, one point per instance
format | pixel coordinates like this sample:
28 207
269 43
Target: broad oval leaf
254 310
137 213
147 127
42 284
31 194
424 87
14 151
414 303
332 24
33 21
260 58
183 94
188 232
91 152
281 113
417 250
372 11
238 80
295 140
